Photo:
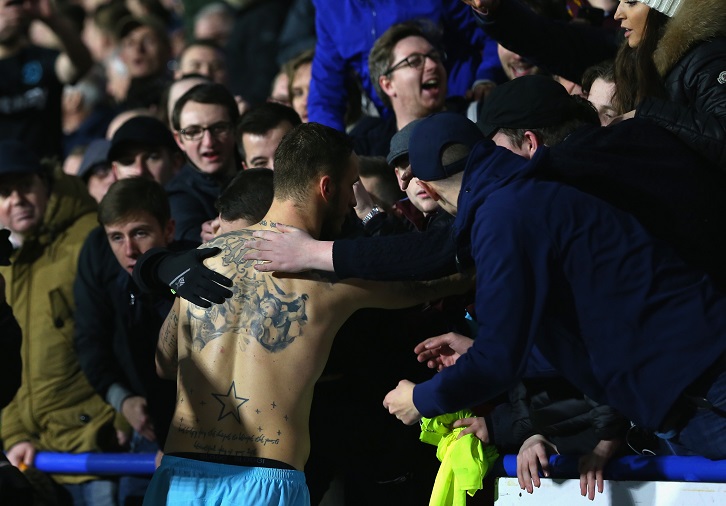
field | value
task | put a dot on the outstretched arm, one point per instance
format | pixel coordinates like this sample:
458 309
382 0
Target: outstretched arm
159 270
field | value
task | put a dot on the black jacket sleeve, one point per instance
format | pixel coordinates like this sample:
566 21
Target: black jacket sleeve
95 320
415 255
564 49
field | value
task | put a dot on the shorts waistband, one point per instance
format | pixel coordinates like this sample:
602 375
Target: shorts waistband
232 460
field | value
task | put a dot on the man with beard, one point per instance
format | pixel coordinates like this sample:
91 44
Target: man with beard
246 368
33 77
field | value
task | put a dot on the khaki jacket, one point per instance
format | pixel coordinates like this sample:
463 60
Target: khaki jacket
55 408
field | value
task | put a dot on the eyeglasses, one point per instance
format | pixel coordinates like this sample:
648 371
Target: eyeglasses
417 60
196 132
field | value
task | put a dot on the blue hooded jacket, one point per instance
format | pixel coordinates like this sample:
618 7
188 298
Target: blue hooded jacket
615 311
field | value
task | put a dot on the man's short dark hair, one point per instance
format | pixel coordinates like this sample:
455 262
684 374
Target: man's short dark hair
248 196
127 198
380 57
207 93
604 70
307 152
262 118
582 113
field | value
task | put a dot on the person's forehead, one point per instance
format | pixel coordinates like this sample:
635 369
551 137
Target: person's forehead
193 111
135 220
141 32
409 45
204 53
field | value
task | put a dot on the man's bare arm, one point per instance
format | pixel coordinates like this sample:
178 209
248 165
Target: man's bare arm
167 348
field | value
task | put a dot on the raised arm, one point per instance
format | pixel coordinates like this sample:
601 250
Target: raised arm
167 349
75 60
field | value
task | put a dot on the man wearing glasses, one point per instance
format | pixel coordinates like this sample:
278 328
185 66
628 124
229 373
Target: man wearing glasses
409 77
203 120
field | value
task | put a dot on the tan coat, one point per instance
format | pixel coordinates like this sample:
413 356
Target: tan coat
55 408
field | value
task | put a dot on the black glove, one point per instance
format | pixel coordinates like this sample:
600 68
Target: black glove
6 247
190 279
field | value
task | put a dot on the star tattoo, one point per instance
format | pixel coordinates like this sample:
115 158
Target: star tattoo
229 403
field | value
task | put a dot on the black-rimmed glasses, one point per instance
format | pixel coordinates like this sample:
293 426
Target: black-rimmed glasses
416 61
196 132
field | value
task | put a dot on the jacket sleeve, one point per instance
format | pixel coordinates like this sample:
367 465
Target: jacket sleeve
608 423
11 366
472 51
12 429
95 321
545 41
415 255
509 308
327 98
700 119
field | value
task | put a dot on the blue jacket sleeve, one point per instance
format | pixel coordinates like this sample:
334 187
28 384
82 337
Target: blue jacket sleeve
564 49
327 96
509 307
471 51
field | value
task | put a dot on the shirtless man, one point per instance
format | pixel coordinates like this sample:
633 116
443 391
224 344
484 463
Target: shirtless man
246 368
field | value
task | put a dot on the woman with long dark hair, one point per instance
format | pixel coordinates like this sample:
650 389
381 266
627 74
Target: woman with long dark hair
672 69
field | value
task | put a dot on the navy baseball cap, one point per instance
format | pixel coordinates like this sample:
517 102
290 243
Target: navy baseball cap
399 143
96 154
534 101
17 158
141 130
431 136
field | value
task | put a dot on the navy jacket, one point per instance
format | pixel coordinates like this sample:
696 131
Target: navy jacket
192 194
615 311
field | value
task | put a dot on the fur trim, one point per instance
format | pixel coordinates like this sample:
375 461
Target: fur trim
695 21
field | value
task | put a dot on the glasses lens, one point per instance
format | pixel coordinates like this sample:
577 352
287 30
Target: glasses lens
219 129
416 60
193 132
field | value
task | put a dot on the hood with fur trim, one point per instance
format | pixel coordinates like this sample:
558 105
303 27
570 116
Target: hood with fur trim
695 21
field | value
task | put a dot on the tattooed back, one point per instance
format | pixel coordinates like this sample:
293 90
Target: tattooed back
247 367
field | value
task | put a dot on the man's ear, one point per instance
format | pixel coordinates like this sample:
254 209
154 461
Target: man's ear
178 139
530 143
326 188
429 190
386 85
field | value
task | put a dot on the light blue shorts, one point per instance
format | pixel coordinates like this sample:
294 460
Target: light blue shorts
187 482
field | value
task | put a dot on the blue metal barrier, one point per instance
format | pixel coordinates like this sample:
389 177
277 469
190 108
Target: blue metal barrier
632 468
96 463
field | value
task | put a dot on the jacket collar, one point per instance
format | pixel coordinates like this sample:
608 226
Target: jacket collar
488 169
696 21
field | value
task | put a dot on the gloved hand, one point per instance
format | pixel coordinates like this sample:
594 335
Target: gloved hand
190 279
6 247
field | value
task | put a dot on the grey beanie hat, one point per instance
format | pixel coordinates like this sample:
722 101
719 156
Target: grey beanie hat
667 7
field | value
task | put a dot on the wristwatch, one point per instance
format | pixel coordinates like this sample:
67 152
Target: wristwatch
373 212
